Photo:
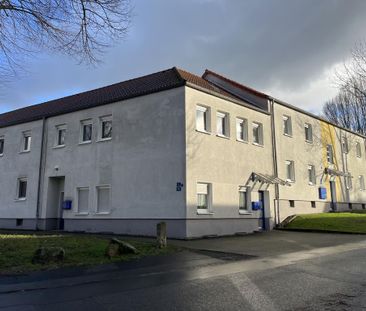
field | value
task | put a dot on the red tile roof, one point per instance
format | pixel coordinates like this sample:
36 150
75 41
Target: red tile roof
148 84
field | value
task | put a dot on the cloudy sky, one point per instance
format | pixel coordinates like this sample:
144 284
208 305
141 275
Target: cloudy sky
287 48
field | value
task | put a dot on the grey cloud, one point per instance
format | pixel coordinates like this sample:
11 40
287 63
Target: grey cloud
278 44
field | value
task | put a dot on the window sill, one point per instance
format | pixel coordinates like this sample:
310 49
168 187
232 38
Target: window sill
24 151
245 213
59 147
1 155
242 141
311 184
103 140
222 136
20 200
287 135
309 141
103 213
258 145
85 142
82 214
290 181
203 132
202 212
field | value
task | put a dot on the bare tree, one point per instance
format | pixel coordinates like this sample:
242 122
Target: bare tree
80 28
348 108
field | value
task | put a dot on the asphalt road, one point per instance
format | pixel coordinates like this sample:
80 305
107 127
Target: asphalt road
322 278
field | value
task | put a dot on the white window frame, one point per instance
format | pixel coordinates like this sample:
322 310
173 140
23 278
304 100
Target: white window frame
59 128
291 164
2 139
106 186
19 180
84 123
78 189
224 119
287 125
247 206
358 149
311 174
348 181
361 180
241 129
26 135
308 128
330 154
206 119
208 209
259 127
103 119
344 143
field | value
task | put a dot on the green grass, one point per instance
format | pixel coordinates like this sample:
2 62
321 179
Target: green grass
16 251
349 222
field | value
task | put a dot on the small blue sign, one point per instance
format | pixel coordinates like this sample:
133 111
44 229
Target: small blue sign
322 193
256 205
67 204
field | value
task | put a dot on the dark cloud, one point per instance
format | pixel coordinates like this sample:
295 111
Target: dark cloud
284 46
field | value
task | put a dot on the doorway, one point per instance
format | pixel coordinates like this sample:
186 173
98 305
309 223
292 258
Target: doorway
261 199
55 199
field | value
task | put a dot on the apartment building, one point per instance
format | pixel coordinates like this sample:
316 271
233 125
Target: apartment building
207 155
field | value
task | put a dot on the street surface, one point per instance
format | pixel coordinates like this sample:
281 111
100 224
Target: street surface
325 272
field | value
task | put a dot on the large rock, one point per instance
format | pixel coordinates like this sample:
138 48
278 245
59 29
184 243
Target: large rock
45 255
117 248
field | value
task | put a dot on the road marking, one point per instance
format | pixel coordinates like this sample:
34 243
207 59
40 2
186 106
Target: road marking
251 293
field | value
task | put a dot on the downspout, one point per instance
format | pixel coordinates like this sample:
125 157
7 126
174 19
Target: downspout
40 170
275 168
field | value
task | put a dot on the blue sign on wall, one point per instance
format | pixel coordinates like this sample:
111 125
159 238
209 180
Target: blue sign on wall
67 204
322 193
256 205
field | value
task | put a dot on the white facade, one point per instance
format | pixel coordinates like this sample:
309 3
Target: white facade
189 155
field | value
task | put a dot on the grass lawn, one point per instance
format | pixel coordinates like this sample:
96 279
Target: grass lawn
351 222
16 251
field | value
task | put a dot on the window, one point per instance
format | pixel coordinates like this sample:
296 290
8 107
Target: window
19 222
257 133
83 200
60 135
330 157
22 188
344 144
290 171
26 143
349 182
358 150
308 132
361 180
243 199
287 126
222 124
103 199
86 131
203 193
105 128
241 129
202 119
291 203
311 175
313 204
2 143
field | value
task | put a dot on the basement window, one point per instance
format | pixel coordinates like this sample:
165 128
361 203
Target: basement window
313 204
292 203
19 222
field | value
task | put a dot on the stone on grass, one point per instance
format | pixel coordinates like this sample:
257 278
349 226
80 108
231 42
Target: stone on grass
45 255
117 248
